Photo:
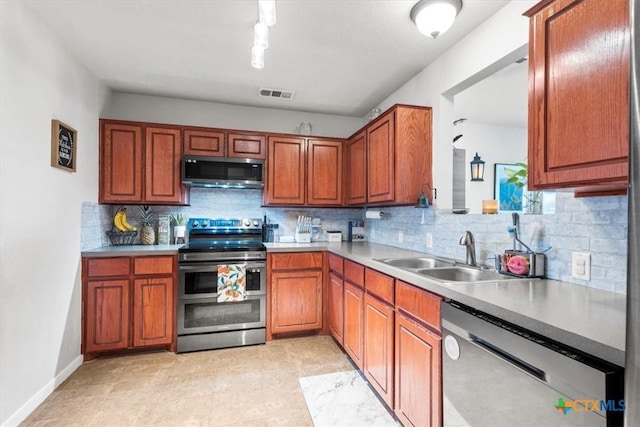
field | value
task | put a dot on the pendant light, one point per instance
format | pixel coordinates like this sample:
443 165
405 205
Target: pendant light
435 17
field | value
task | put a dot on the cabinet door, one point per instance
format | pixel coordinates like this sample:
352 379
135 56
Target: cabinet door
120 162
353 319
356 169
578 93
286 171
378 347
107 315
203 142
418 375
324 166
247 145
296 301
380 154
336 307
153 308
163 148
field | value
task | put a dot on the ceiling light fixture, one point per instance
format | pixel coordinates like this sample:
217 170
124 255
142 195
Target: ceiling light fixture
267 17
435 17
257 57
267 11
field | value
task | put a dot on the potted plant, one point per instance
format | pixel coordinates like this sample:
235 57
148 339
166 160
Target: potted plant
180 225
532 200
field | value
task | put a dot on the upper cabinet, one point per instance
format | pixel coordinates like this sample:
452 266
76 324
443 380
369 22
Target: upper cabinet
304 171
579 96
140 163
389 161
224 143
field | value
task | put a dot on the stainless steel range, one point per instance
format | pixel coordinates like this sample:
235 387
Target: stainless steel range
203 322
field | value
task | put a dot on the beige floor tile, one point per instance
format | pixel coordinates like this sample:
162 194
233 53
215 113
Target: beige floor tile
247 386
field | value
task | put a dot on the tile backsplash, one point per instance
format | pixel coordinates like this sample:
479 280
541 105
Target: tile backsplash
597 225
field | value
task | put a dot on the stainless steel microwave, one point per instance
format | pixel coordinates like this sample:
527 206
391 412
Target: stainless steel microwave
222 172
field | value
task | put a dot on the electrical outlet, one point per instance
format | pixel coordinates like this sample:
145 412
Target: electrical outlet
429 240
400 237
581 265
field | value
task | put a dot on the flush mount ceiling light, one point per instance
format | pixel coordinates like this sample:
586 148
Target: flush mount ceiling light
435 17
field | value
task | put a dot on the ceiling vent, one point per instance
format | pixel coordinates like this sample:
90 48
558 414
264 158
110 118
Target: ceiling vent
276 93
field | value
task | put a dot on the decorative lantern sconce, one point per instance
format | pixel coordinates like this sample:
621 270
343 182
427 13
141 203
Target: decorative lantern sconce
477 169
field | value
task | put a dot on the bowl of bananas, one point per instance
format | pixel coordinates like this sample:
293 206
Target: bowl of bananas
123 232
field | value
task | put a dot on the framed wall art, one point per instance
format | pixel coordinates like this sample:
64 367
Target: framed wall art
509 196
64 140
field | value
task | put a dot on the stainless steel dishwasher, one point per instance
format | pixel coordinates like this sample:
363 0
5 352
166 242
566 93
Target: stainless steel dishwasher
497 374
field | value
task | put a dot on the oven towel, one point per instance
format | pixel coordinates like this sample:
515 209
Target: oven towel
231 282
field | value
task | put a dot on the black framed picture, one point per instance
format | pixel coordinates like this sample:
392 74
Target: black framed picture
63 146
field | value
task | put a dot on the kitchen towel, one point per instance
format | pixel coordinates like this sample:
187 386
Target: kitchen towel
232 283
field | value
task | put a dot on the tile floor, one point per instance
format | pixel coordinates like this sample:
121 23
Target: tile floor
247 386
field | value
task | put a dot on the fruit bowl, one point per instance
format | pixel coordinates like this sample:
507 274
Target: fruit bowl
121 238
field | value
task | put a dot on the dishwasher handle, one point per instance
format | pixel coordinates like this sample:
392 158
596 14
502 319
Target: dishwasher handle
509 358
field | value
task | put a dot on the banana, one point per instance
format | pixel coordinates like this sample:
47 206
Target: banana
123 220
117 220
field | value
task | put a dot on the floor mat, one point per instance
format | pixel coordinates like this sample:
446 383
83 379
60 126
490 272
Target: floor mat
343 399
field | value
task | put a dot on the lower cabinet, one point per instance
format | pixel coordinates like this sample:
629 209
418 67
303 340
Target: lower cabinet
128 303
378 346
153 310
336 307
353 327
418 379
295 288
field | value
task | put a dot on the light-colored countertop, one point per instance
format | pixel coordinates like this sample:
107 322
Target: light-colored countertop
132 250
585 318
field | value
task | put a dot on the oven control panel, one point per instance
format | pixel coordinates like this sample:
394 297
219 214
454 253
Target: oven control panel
224 223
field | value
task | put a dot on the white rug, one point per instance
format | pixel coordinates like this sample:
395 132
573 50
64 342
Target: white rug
343 399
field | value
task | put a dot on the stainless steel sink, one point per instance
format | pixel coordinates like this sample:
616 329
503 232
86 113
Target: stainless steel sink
416 262
463 274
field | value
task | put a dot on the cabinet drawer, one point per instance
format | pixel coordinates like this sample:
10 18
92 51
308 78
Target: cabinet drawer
153 265
336 264
108 267
354 273
418 303
379 284
296 260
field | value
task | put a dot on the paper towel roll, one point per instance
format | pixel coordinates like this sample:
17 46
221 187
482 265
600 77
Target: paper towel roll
374 215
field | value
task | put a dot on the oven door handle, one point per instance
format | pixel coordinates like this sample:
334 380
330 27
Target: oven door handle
214 267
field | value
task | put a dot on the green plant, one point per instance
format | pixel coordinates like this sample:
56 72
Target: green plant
517 177
179 219
146 215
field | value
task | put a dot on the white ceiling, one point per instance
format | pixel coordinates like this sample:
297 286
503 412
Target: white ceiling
339 56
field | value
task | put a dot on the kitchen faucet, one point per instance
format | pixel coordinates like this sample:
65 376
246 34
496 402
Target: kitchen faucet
468 241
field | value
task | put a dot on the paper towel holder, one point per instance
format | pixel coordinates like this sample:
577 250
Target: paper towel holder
423 200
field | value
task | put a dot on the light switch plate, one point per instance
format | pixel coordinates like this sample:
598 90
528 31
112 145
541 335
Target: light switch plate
581 265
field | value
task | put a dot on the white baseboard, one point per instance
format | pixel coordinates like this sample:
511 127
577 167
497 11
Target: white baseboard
30 405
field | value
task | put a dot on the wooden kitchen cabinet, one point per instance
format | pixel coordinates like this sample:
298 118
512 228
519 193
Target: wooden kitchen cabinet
163 158
353 323
336 307
378 346
418 389
296 291
304 171
153 308
107 315
579 109
389 161
121 166
356 169
286 171
418 358
223 143
140 163
324 166
128 303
